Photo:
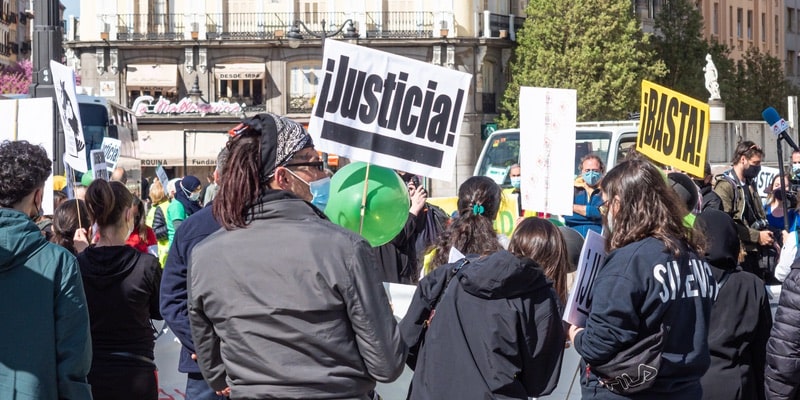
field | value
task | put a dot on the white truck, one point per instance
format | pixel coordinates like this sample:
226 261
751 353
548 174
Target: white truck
613 139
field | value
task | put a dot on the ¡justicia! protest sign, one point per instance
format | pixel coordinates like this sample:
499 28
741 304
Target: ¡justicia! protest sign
389 110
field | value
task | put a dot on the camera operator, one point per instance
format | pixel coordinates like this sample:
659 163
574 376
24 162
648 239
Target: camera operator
737 191
795 175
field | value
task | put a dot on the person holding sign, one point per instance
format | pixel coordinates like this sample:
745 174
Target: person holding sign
653 285
736 188
282 302
585 212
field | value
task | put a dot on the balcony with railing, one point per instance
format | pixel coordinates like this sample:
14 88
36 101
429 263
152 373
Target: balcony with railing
499 26
268 25
150 26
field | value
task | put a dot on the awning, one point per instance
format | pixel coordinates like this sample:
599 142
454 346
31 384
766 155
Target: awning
240 71
152 76
166 148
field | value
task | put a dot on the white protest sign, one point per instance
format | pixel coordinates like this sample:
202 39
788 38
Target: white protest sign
67 104
162 177
593 255
389 110
498 174
547 149
23 120
98 164
399 297
764 180
110 148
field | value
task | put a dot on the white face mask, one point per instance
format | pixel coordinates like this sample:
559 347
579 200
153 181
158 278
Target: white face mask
194 196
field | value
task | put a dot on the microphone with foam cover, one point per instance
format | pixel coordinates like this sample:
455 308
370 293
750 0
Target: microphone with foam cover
779 125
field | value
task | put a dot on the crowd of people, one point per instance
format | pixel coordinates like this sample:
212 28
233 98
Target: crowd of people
269 299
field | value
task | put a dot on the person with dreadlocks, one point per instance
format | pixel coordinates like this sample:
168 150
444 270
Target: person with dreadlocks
282 302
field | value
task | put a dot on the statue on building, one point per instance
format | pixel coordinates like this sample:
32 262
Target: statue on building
711 79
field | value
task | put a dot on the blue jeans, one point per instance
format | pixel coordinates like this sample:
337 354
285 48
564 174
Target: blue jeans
198 389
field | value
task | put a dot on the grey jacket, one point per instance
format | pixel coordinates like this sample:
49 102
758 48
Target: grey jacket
291 307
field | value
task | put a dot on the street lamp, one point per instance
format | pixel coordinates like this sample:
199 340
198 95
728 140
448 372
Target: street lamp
295 36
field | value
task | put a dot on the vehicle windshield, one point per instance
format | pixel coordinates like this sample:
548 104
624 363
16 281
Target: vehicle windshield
502 151
94 120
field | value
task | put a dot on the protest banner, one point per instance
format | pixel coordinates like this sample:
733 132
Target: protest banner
389 110
673 129
22 120
67 105
162 177
110 148
547 140
764 180
98 164
579 302
506 214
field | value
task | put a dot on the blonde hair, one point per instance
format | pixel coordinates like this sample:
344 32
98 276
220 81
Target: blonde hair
156 193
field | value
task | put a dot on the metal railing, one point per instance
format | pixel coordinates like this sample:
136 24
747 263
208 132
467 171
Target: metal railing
265 25
150 26
400 24
501 26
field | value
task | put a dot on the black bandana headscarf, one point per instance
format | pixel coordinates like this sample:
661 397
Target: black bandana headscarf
281 138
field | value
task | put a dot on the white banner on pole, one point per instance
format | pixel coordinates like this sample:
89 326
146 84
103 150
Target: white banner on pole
389 110
67 104
547 149
593 255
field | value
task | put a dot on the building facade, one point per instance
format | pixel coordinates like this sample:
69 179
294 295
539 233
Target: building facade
769 25
16 26
241 57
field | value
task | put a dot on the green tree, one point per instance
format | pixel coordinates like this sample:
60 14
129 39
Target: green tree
593 46
758 82
680 44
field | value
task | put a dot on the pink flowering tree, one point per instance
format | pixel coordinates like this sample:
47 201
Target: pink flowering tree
16 78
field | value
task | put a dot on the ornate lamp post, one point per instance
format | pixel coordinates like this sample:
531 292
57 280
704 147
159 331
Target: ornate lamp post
295 36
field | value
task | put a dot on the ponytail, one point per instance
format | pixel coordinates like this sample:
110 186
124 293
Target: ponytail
241 184
107 202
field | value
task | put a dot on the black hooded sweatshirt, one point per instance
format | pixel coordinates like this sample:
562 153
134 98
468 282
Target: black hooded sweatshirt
122 290
740 318
496 331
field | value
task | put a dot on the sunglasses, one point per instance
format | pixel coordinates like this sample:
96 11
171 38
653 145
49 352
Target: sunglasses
319 165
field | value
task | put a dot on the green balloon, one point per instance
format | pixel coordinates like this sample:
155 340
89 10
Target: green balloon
386 208
87 178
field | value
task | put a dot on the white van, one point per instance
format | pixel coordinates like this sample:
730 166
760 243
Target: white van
611 140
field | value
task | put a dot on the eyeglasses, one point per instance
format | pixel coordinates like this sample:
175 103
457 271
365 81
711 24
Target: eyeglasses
313 164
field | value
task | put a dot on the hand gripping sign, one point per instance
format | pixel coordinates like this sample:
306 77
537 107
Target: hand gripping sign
673 129
389 110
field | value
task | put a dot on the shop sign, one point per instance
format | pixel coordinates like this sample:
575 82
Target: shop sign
144 105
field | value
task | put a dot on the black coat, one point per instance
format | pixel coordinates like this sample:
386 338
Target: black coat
782 375
740 317
496 333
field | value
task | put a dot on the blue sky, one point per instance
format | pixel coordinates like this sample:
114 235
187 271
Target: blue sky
73 7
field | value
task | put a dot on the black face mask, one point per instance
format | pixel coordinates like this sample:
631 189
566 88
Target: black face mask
778 194
751 172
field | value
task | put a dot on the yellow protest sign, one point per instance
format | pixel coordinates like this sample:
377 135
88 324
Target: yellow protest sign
673 129
506 215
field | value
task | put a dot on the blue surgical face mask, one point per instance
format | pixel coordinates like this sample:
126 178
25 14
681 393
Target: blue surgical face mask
796 168
516 181
320 190
591 177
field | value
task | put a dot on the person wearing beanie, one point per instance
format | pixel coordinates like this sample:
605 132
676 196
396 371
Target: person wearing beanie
186 203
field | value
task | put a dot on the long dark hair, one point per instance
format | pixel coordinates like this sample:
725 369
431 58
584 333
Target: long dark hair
241 184
540 240
138 223
107 202
65 223
472 231
643 205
